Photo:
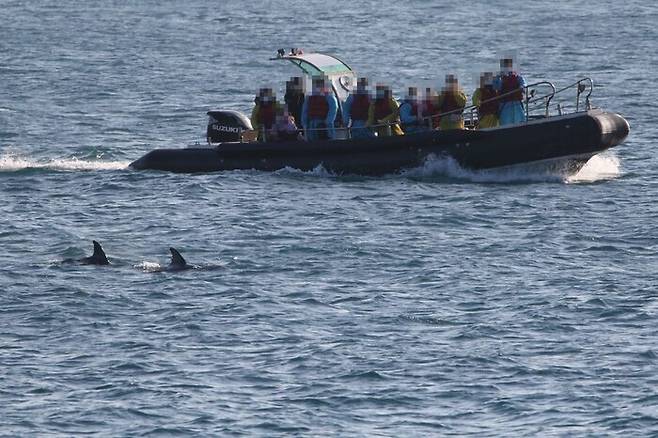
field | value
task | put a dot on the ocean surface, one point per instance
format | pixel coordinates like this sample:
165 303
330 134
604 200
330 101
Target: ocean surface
439 302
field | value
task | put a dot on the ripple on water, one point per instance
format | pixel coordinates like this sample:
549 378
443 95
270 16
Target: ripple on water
439 301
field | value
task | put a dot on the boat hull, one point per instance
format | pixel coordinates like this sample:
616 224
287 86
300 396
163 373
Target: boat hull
567 140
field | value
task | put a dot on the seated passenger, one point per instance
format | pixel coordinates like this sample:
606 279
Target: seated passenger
319 112
264 113
294 98
355 110
430 109
452 101
284 128
384 113
510 85
485 99
411 113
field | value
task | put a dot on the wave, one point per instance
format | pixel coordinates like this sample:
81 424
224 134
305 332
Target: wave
14 163
318 171
600 167
435 167
149 266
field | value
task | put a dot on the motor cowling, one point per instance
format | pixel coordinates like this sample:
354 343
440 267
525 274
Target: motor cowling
226 125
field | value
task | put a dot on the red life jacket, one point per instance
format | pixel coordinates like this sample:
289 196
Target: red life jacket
360 105
430 110
382 108
318 108
267 114
487 108
511 82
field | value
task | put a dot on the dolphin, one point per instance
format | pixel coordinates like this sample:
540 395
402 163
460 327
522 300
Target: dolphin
178 263
97 258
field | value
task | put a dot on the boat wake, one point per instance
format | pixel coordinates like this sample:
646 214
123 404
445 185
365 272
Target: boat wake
600 167
318 171
14 163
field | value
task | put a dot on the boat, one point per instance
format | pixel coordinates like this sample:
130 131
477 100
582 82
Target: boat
551 137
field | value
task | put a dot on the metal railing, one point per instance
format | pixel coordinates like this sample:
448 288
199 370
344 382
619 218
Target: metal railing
530 97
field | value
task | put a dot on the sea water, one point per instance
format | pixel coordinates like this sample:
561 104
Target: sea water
440 301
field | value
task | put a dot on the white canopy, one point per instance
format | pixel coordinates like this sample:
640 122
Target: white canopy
341 75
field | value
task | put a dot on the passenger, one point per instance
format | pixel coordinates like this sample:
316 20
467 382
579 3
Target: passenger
411 113
485 99
355 110
510 85
384 113
284 128
430 110
294 97
319 112
452 98
264 113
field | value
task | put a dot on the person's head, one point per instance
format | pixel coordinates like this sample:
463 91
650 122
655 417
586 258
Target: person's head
362 85
486 78
451 82
266 95
294 84
259 95
412 93
318 83
380 91
506 65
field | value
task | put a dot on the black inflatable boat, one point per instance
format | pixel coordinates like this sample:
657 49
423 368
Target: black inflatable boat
563 142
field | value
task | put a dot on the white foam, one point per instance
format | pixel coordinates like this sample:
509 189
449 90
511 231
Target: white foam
318 170
149 266
448 167
14 163
600 167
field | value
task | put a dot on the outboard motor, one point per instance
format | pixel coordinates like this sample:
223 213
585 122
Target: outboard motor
226 126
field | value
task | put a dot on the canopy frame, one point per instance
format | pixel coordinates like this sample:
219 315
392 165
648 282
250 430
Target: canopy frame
341 75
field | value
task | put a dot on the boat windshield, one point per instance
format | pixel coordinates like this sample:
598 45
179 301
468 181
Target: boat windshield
341 75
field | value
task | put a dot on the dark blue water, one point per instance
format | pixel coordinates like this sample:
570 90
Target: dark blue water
439 302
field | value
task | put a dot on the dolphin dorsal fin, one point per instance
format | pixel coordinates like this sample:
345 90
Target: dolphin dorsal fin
176 258
99 256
